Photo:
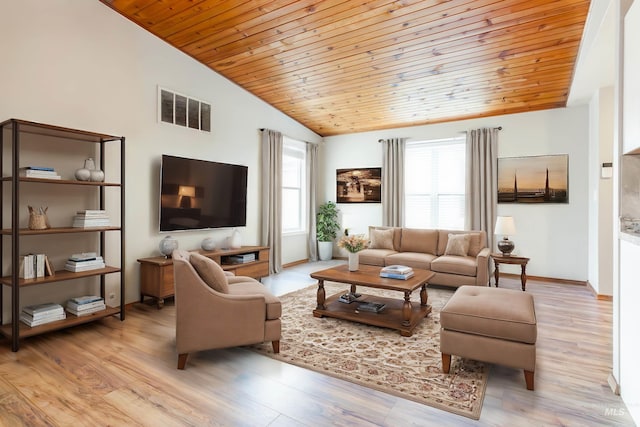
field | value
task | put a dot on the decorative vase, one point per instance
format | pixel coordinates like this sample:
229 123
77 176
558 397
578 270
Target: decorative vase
354 260
83 174
208 244
89 164
86 173
96 175
167 246
235 242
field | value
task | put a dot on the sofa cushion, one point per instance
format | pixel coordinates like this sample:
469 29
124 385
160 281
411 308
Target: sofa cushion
465 266
210 272
493 312
381 239
374 256
457 244
477 241
396 234
418 240
253 287
411 259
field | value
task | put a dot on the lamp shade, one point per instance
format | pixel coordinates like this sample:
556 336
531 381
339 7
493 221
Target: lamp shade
505 226
187 190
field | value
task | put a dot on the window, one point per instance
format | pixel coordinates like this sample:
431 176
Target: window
435 184
293 186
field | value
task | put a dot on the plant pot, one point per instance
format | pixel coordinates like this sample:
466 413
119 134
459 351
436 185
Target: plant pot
354 261
325 250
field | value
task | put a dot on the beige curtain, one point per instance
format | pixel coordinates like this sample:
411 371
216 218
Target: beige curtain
272 197
312 182
393 182
482 181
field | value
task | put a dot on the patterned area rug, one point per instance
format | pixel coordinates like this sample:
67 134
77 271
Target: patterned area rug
380 358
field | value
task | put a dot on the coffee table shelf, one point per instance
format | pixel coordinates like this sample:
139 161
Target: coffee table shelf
399 314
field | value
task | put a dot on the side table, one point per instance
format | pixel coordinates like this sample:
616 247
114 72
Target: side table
499 258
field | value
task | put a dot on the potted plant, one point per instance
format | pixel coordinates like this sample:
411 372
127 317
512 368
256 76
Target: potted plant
326 229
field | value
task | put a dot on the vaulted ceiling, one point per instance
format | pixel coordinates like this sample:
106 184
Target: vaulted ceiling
351 66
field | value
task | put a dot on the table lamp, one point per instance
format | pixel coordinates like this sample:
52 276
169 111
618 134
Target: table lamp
505 226
186 193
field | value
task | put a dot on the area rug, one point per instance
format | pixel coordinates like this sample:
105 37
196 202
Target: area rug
380 358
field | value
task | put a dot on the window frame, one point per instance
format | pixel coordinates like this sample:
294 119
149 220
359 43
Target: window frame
434 195
297 150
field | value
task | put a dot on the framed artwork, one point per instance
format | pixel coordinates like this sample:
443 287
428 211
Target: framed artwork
534 179
359 185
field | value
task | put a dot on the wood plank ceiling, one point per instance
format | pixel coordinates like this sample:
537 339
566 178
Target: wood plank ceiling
351 66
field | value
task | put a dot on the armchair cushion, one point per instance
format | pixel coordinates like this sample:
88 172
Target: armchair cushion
253 287
210 272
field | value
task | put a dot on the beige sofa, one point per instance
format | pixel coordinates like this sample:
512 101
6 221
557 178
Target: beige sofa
463 261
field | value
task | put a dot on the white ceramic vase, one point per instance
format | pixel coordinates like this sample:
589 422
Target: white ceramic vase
235 242
208 244
83 174
167 246
354 261
96 175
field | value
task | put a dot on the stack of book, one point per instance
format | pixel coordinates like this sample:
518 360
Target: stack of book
84 262
91 218
85 305
401 272
40 314
35 265
372 307
241 258
44 172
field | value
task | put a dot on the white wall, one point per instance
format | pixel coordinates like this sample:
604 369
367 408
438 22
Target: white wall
79 64
554 236
626 347
601 240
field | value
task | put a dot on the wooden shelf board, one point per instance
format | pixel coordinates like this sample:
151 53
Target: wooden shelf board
59 230
63 181
60 276
71 320
59 131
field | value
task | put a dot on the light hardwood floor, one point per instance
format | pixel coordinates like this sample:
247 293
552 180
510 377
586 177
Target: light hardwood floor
124 373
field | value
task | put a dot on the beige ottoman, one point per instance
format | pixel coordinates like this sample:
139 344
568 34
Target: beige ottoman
491 325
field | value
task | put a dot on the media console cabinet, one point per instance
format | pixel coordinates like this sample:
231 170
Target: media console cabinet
156 273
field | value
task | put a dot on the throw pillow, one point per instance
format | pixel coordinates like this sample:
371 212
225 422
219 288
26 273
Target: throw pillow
381 239
210 272
457 244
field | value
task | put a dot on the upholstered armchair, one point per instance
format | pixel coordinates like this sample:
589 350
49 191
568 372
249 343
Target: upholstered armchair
216 310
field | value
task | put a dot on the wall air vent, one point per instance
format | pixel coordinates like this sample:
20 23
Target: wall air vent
183 110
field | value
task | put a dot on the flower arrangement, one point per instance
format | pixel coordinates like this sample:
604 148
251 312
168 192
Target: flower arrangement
354 243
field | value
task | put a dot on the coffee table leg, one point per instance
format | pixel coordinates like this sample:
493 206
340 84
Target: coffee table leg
406 309
321 296
423 294
353 289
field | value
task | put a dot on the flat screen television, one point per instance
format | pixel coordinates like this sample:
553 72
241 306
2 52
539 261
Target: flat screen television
199 194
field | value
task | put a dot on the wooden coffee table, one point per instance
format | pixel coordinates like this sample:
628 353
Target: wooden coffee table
402 315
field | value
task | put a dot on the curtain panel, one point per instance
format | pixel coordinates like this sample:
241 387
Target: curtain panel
481 202
271 232
393 182
312 182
